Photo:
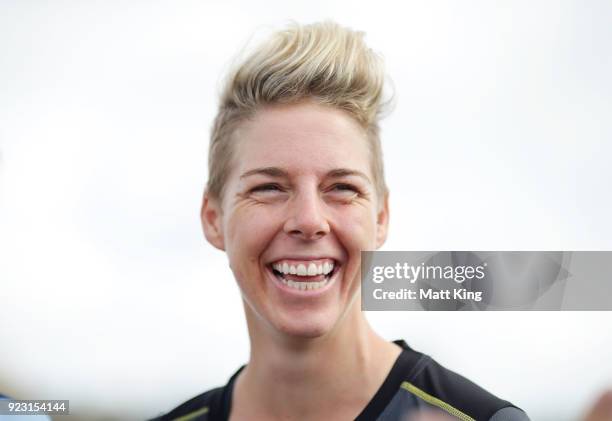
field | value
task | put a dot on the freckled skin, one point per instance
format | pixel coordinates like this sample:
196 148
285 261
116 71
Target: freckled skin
304 212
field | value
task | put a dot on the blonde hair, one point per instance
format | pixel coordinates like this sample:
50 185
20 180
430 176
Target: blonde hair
323 62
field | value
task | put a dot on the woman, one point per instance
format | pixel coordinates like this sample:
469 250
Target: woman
295 193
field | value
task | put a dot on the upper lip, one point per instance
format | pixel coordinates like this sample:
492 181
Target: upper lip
310 257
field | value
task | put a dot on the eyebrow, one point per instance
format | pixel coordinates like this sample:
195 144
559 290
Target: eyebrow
276 172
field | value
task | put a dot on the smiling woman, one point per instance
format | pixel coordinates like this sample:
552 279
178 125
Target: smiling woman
296 191
299 195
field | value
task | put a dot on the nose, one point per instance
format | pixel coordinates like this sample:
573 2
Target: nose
307 219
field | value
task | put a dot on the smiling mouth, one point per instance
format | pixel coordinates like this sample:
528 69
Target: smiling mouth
302 277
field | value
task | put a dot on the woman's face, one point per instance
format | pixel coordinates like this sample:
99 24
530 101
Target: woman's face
298 209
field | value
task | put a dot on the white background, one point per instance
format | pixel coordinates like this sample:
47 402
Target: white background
110 297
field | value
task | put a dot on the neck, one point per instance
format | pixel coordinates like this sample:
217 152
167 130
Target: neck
338 372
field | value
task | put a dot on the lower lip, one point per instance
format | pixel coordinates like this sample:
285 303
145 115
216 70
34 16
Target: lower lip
306 292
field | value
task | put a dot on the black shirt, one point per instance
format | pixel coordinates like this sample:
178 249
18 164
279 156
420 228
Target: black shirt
415 382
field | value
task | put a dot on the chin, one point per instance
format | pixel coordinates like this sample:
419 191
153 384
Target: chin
306 329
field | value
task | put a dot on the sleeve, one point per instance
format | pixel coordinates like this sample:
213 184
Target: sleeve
509 413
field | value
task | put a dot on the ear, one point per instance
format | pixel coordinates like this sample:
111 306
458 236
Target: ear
212 221
382 222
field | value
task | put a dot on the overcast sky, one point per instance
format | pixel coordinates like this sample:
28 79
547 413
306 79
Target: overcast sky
110 297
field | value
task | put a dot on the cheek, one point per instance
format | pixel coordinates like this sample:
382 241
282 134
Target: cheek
247 235
356 228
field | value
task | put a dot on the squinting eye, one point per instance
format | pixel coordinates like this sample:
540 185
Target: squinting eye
345 188
266 188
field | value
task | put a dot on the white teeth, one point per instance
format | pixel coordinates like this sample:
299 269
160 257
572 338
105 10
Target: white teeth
301 270
311 269
303 286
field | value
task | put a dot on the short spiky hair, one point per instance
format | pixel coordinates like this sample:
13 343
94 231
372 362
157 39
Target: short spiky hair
323 62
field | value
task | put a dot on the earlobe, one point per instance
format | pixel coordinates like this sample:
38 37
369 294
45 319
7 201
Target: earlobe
382 222
212 221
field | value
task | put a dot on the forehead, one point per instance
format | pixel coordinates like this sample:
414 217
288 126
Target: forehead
301 138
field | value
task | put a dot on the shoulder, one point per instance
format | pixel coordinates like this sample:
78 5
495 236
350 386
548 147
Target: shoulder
510 413
198 408
209 406
432 385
